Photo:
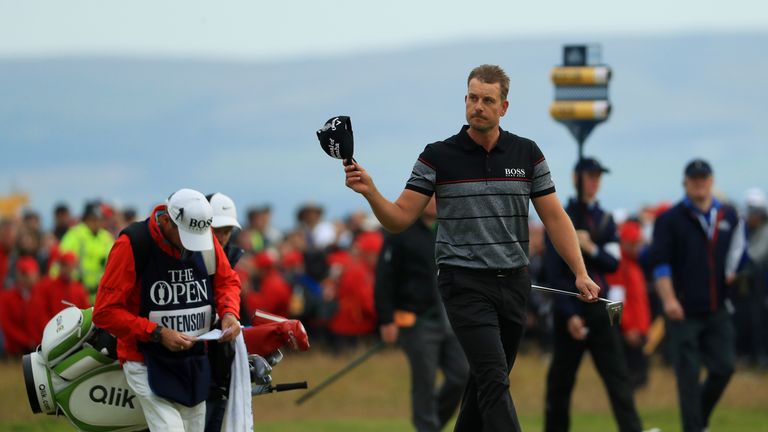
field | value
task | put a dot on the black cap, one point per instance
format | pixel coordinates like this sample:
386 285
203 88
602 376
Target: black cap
698 168
336 137
92 210
590 165
61 208
30 214
310 205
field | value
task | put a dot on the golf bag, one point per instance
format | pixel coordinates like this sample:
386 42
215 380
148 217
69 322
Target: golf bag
75 372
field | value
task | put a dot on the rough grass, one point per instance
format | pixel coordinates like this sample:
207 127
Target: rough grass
375 397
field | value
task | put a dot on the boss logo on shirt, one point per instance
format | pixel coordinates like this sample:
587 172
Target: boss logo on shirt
514 172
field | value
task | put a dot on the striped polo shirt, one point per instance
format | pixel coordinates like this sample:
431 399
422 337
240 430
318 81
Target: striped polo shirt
482 198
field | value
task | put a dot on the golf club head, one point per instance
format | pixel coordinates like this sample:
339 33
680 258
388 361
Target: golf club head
614 310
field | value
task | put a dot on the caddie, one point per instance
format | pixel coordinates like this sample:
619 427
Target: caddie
165 280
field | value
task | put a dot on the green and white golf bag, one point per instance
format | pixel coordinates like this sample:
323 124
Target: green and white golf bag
75 373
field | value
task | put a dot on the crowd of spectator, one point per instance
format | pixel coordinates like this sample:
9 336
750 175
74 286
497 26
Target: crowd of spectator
322 272
642 323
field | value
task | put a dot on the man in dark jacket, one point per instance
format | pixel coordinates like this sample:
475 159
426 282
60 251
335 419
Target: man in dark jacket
697 247
582 326
410 312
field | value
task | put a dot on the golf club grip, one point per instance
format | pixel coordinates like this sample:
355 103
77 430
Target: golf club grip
290 386
553 290
557 291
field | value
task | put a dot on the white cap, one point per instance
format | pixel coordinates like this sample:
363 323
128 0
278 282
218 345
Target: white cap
224 211
620 215
756 198
192 213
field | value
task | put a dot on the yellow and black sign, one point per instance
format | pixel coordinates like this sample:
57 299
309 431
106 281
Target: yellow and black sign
581 75
581 90
597 110
10 205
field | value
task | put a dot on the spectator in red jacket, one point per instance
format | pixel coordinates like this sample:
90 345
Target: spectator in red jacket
273 294
356 313
17 322
629 282
51 292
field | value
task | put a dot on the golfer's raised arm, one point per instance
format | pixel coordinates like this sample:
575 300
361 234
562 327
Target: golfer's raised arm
394 216
563 236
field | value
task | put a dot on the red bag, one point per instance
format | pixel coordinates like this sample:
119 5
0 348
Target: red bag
271 332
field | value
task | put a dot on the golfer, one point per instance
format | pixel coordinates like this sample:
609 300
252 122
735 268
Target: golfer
483 178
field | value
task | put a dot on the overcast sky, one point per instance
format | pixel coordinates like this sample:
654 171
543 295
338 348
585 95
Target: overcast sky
271 30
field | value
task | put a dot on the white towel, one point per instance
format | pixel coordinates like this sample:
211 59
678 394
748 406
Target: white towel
239 414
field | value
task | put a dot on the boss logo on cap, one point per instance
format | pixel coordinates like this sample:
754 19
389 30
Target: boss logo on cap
199 224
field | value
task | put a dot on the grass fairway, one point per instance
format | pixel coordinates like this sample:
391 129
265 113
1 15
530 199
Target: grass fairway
375 397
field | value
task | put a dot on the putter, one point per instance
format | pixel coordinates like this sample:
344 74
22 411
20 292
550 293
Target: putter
614 309
341 372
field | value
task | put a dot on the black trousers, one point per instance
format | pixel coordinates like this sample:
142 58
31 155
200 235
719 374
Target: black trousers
605 345
637 363
487 313
431 345
697 341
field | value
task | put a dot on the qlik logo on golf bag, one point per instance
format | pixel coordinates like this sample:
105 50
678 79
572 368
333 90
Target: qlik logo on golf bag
45 397
119 397
104 399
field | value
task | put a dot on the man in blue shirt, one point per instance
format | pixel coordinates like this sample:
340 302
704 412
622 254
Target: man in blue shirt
697 247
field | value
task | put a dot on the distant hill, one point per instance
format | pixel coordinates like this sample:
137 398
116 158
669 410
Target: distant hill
133 130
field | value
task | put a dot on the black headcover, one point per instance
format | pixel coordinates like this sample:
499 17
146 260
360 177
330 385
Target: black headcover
336 138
